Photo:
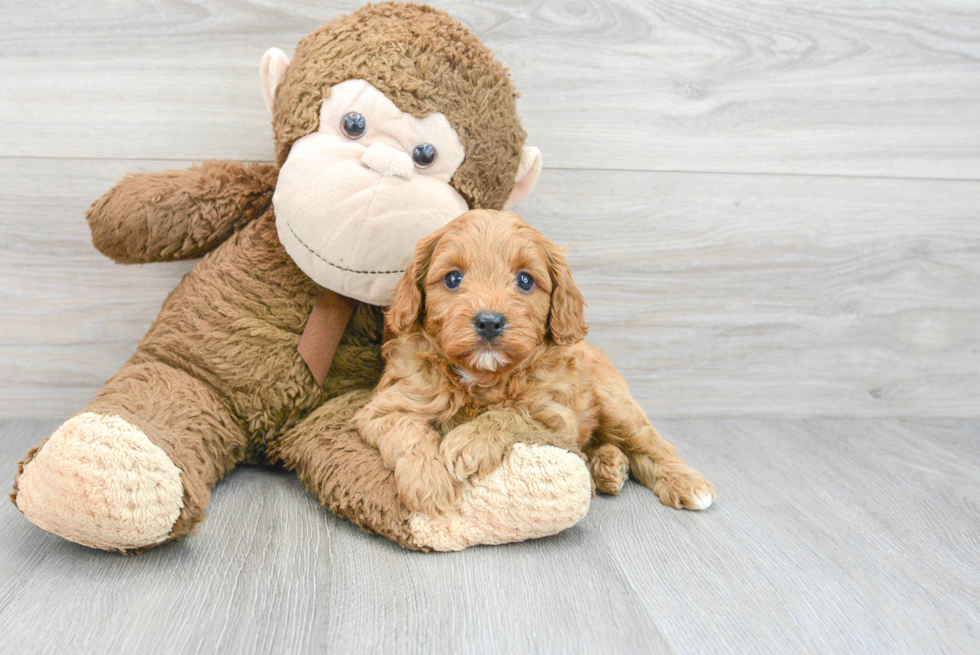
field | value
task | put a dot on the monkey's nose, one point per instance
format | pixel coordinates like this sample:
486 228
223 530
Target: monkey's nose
489 325
384 159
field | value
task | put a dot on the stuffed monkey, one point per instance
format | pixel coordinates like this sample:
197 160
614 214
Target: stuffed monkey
389 123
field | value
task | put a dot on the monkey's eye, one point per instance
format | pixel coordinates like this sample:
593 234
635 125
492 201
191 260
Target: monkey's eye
524 281
453 279
424 155
353 125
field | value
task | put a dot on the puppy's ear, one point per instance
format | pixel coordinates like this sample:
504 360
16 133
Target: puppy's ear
566 319
406 306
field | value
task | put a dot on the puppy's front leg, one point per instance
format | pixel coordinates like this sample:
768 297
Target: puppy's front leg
410 447
476 447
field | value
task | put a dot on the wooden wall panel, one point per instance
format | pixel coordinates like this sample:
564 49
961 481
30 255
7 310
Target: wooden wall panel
717 295
852 87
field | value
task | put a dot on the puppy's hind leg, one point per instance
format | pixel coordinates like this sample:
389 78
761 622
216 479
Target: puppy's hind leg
653 460
675 483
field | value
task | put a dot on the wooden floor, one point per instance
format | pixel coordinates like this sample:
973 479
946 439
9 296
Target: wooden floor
830 536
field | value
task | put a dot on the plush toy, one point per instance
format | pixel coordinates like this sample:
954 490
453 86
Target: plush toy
389 123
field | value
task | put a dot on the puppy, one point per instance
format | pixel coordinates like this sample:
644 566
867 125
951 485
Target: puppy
488 351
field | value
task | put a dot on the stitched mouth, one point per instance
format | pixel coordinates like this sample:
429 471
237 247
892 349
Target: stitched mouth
337 266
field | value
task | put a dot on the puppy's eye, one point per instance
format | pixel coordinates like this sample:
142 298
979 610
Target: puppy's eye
353 124
524 281
424 155
453 279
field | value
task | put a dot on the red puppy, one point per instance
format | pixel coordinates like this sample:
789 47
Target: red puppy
489 351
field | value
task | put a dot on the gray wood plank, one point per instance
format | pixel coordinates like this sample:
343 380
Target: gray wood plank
857 511
716 295
829 536
736 86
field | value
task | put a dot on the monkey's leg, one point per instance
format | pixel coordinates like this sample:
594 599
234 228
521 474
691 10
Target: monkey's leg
136 467
345 474
538 490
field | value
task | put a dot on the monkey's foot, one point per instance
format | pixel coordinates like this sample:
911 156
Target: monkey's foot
535 492
100 482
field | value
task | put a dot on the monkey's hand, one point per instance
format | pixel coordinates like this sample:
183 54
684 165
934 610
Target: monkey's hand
179 214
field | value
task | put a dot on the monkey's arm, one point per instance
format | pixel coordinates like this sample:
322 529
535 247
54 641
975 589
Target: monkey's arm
179 214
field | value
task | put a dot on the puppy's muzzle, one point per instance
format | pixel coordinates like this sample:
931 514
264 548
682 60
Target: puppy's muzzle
489 325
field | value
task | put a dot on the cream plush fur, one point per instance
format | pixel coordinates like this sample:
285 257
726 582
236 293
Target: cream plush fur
354 235
124 491
553 492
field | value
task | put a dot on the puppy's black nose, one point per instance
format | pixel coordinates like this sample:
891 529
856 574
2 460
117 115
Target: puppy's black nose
489 325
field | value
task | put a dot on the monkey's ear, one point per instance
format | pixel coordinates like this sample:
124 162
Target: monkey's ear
406 307
272 70
527 176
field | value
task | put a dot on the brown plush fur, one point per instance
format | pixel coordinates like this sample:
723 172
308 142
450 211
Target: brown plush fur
179 214
445 411
217 380
342 471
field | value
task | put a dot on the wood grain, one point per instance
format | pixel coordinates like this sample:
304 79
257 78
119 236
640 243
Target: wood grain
716 295
853 88
829 536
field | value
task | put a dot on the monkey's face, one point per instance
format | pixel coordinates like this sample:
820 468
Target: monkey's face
354 196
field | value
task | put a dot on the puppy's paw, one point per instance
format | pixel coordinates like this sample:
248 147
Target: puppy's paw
685 488
425 485
610 469
468 453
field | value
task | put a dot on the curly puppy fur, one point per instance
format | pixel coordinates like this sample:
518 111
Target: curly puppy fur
451 399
